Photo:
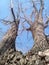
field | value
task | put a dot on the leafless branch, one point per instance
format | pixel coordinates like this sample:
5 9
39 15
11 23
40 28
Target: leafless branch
41 7
32 14
28 29
36 11
6 22
18 13
13 11
47 21
29 21
34 5
24 28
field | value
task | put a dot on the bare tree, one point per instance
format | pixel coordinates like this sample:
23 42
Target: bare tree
8 40
41 41
37 27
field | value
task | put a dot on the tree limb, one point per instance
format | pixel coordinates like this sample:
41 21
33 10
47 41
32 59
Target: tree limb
29 21
46 24
13 11
6 22
41 7
36 11
34 6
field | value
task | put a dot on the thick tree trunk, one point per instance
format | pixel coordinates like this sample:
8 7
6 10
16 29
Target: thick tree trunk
39 38
8 40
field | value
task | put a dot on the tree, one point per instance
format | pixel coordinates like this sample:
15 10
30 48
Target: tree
37 27
8 40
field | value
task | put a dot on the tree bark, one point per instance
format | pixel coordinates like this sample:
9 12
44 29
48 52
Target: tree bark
8 40
37 30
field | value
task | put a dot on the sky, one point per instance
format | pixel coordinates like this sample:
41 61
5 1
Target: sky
22 42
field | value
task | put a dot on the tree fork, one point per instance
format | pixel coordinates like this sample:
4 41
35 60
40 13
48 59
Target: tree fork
37 29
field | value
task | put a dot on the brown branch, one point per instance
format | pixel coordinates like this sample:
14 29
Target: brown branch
34 5
29 21
36 11
41 7
28 29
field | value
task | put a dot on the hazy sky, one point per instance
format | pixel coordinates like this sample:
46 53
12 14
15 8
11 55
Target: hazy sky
23 43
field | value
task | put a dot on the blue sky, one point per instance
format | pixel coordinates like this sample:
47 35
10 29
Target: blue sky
22 42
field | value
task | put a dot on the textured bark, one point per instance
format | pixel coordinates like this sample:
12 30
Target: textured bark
9 39
37 28
39 37
11 57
